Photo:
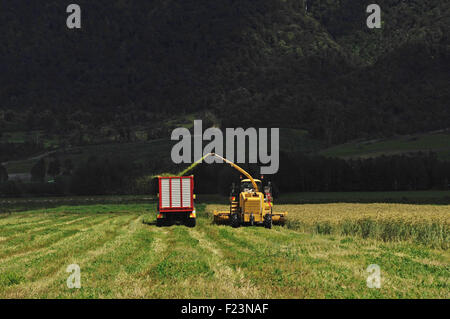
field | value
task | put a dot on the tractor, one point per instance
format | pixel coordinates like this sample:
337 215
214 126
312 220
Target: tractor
249 205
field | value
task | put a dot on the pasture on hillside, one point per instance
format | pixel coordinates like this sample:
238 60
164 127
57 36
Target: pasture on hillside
322 252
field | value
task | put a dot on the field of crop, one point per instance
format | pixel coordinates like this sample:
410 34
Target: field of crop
428 225
122 254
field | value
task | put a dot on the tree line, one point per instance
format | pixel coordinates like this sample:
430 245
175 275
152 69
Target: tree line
297 173
303 173
419 171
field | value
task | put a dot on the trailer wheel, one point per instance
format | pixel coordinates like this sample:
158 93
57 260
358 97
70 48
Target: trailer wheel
191 222
268 221
159 222
235 222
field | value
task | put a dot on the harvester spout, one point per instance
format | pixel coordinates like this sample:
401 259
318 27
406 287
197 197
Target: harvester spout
240 169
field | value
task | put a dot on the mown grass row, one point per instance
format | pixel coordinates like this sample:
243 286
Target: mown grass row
285 263
122 254
39 262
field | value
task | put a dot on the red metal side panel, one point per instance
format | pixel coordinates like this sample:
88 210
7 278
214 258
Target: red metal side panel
159 191
192 192
170 191
180 208
181 192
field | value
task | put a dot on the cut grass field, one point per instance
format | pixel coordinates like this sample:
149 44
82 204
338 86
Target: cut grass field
122 254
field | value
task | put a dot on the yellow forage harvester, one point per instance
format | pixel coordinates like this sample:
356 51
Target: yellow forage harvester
249 203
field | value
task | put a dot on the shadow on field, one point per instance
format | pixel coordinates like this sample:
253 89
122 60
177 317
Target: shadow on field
410 197
166 224
150 223
10 205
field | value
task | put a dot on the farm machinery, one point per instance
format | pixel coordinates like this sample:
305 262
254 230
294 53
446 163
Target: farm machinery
176 200
250 206
250 203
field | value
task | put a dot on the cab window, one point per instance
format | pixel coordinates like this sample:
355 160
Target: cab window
245 186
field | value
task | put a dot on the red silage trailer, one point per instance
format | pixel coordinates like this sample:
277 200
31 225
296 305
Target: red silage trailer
176 200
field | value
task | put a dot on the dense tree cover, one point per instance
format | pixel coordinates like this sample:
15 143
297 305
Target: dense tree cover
418 171
3 174
403 22
252 63
67 167
54 167
99 176
14 151
298 173
38 171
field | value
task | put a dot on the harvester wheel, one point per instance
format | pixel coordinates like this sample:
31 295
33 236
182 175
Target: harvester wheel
268 221
235 222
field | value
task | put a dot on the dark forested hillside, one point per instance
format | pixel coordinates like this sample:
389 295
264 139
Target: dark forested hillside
403 22
303 64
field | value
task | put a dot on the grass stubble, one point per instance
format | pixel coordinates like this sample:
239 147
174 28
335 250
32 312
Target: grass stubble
323 252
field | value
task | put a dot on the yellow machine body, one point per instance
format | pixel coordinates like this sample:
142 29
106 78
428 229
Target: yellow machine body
252 204
252 207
